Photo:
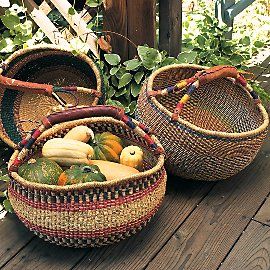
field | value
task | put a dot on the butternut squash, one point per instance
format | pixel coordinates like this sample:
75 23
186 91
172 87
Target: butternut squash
80 133
113 171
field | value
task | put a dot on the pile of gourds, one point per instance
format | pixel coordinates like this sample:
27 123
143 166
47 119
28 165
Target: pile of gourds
82 156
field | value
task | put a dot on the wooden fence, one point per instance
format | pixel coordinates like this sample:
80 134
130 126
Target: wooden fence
136 19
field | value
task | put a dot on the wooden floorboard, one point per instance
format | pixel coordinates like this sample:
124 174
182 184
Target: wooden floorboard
135 253
252 250
263 215
206 237
13 237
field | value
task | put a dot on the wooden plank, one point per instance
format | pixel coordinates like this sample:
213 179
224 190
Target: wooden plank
252 251
14 236
141 20
45 24
170 26
206 237
135 253
115 19
42 255
78 24
263 215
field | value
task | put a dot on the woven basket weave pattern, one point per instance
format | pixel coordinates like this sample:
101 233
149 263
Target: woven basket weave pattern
219 106
93 215
47 65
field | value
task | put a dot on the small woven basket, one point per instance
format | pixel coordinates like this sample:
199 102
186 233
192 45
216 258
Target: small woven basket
96 213
40 72
214 135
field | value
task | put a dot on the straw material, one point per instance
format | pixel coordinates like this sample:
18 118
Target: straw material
95 213
218 133
49 65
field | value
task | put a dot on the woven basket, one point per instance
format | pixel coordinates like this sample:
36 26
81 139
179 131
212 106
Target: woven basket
219 130
97 213
47 65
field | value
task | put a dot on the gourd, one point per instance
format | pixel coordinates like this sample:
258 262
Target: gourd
132 156
112 170
67 152
41 170
80 133
107 147
81 174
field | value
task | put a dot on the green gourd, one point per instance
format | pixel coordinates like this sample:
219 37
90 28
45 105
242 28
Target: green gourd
40 170
81 174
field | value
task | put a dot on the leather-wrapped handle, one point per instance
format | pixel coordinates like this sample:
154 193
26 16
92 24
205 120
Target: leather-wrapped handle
80 113
36 88
215 73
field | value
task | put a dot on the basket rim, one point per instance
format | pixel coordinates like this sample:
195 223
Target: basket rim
220 134
69 124
3 135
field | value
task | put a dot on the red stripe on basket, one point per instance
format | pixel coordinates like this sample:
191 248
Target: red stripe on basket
73 207
94 234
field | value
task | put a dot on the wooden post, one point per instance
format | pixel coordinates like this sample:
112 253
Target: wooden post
170 26
134 19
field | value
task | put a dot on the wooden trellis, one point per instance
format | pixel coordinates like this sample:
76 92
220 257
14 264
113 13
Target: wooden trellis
78 23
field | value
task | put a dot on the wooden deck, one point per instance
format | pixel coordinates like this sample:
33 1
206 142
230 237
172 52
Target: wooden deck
224 225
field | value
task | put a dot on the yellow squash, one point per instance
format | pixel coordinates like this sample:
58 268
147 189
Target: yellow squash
132 156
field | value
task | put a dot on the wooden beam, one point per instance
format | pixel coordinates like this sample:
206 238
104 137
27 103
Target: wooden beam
141 23
115 19
170 26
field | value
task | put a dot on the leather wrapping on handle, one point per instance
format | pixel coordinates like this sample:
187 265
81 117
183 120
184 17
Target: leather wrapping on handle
216 72
36 88
80 113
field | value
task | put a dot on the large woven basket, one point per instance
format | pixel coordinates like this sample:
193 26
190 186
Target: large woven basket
97 213
47 65
219 130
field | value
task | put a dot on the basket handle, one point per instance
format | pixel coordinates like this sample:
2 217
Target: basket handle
80 113
46 89
201 78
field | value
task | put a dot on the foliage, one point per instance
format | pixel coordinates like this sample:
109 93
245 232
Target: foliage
123 81
17 31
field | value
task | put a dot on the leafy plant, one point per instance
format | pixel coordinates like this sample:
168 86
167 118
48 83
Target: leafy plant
123 81
16 32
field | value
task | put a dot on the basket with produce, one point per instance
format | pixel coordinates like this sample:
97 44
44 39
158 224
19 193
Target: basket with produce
87 177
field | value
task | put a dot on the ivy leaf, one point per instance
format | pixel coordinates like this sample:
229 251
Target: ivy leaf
201 40
138 77
93 3
124 80
71 11
135 89
114 103
169 61
10 20
7 45
245 41
8 206
187 57
132 64
258 44
122 92
120 72
132 107
150 57
236 59
114 70
110 92
115 82
112 59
